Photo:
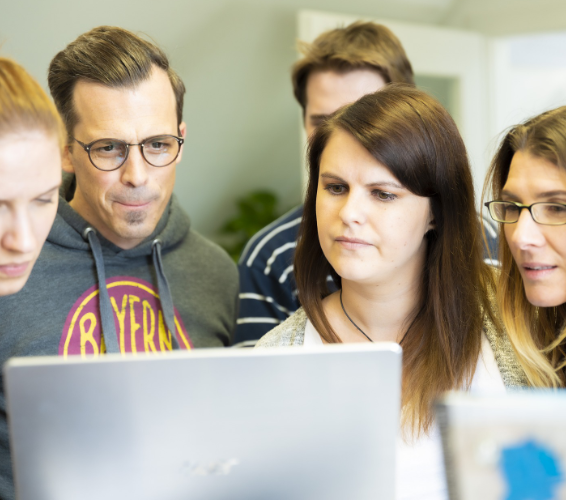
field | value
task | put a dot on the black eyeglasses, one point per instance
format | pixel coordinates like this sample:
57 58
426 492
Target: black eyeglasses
508 212
111 154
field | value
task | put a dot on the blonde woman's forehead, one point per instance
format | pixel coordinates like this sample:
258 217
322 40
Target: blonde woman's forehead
534 177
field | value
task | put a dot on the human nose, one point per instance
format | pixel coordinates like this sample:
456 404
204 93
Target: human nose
352 210
19 236
135 168
525 232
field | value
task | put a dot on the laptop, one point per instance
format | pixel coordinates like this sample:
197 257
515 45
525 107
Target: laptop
211 424
505 447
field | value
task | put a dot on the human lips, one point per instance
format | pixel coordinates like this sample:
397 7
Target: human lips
536 270
352 243
137 204
14 269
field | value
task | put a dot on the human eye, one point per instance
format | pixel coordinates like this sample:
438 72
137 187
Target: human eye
158 144
506 210
107 147
45 200
383 195
551 212
335 189
555 208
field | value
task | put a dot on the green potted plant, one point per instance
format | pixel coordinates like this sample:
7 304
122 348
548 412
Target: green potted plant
255 211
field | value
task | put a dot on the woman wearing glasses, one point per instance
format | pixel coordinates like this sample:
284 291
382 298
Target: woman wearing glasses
389 214
31 141
528 184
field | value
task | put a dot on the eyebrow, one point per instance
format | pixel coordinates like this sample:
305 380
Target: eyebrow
371 184
49 191
545 194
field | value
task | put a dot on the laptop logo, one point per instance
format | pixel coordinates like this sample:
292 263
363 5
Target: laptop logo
211 468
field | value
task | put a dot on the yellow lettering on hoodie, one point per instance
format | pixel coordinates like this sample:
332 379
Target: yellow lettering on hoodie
86 335
134 325
164 335
121 315
148 333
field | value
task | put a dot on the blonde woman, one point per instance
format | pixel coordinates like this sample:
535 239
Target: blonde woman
31 142
528 184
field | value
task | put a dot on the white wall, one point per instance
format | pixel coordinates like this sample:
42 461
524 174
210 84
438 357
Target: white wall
529 77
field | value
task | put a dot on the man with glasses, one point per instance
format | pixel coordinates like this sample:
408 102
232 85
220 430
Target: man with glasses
122 271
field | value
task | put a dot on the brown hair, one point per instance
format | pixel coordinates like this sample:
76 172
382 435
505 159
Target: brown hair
24 105
416 139
357 46
537 333
111 56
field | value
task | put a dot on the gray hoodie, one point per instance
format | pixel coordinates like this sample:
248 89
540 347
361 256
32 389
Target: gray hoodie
174 281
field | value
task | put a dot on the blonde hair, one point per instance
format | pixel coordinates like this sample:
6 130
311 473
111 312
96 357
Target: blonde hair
24 105
536 333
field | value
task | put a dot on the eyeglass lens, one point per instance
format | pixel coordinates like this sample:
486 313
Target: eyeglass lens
544 213
110 154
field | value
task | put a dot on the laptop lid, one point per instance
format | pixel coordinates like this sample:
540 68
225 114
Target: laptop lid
213 424
505 447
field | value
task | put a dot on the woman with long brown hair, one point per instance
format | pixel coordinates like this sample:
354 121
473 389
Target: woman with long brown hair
31 142
528 185
390 216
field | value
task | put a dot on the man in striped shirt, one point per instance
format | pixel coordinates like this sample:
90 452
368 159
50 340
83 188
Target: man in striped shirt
338 68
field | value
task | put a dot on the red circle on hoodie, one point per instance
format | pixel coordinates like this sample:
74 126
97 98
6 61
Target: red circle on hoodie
140 324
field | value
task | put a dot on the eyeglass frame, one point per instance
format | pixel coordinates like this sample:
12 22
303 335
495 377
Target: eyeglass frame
87 148
521 207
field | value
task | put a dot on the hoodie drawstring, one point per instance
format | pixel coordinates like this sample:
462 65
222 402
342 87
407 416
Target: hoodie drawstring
106 314
164 292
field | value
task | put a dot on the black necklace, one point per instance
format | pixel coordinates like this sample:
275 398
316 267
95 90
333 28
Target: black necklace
351 320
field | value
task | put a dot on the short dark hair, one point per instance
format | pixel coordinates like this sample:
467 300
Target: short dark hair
411 134
361 45
110 56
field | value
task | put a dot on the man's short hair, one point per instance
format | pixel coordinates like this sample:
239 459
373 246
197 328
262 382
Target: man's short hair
361 45
110 56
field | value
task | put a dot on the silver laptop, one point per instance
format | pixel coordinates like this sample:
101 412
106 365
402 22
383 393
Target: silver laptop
212 424
506 446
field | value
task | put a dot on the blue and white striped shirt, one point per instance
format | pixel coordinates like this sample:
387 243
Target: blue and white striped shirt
268 293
